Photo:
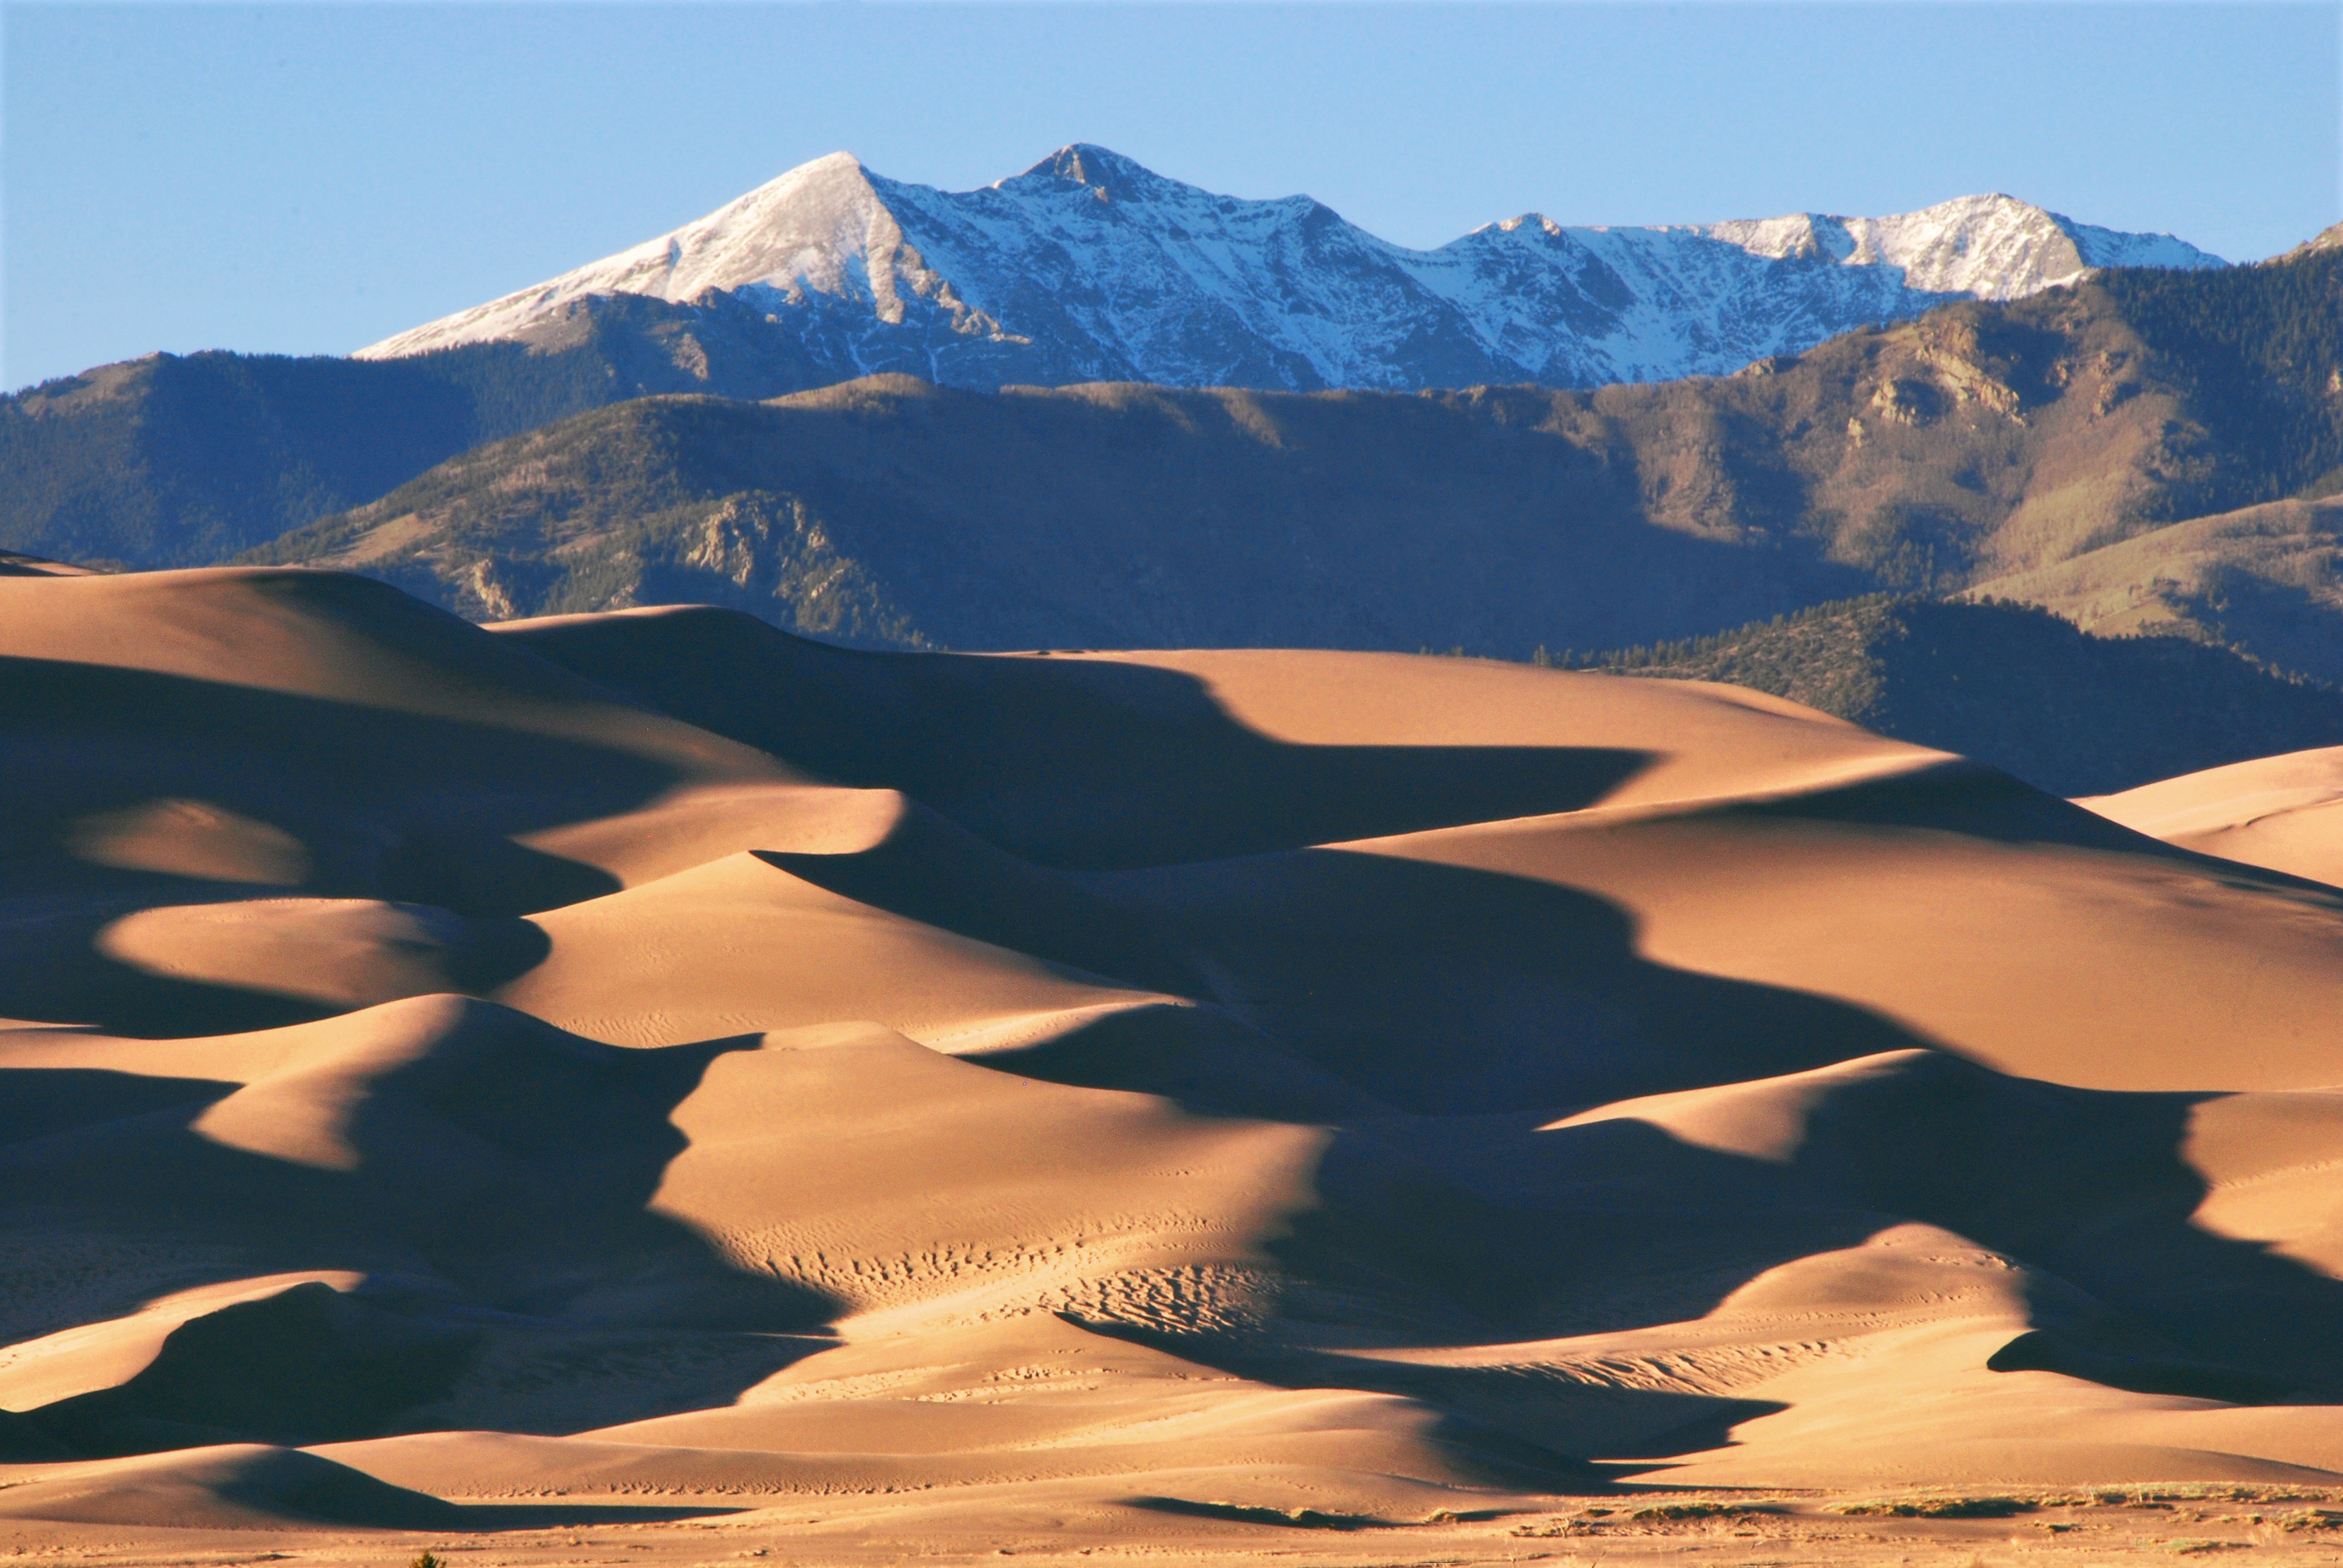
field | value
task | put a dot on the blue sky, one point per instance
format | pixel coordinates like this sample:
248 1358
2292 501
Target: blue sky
308 178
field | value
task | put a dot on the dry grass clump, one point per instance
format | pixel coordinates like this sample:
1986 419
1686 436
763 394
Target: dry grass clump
1671 1512
1942 1507
1596 1520
2310 1519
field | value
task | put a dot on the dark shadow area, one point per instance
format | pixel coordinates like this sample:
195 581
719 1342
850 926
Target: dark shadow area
384 804
1610 1226
307 1365
483 874
930 870
496 1204
2090 1187
2138 1364
1444 989
58 967
1976 801
1433 989
367 804
24 1441
1204 1056
1073 763
47 1100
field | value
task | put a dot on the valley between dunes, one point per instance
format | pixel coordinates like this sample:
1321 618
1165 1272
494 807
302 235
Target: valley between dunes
644 1087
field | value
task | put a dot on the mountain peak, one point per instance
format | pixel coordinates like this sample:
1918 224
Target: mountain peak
1091 267
838 162
810 229
1103 171
2328 238
1991 245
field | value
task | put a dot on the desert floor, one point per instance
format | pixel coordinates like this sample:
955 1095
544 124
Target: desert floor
2244 1524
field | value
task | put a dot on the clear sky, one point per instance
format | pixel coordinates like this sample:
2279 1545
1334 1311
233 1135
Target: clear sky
309 178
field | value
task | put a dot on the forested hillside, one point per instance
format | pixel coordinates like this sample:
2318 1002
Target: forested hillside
2259 352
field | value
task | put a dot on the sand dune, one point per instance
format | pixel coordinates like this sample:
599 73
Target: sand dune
1127 760
239 1487
651 1062
2278 812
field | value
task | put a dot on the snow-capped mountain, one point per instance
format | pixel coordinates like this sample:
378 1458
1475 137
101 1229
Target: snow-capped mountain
1089 268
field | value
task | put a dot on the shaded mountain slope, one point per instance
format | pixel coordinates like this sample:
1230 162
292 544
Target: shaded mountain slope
2014 686
887 511
175 461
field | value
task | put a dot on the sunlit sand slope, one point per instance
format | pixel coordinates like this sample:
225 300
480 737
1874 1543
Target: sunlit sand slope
2284 813
650 1058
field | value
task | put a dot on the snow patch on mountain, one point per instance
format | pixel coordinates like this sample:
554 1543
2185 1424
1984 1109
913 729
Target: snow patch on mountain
1090 266
1984 246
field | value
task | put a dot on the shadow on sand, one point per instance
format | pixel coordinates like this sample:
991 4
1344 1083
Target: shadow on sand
496 1200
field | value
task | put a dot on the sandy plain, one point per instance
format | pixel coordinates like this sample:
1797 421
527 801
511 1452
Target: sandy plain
644 1087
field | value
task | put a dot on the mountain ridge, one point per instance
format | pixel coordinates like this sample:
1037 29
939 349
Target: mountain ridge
1981 440
1089 266
1981 443
181 461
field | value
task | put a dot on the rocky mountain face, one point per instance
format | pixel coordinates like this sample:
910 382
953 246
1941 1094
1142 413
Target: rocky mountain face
1984 440
1090 267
